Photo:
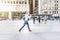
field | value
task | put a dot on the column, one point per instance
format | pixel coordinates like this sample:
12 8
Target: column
27 6
10 15
39 6
34 5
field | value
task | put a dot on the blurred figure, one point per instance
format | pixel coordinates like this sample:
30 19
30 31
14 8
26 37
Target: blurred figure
39 19
33 20
42 18
26 19
46 18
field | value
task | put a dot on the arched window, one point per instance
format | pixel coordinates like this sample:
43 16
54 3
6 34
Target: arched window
19 2
22 2
16 2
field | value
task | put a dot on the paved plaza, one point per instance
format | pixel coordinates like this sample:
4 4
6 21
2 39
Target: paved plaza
40 31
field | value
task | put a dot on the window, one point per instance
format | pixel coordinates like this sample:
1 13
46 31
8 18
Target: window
50 11
25 2
11 2
45 11
17 15
36 3
56 8
56 1
57 11
14 2
19 2
50 7
3 15
22 2
5 1
8 1
56 4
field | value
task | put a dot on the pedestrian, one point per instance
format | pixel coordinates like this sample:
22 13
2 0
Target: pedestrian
26 19
39 19
42 18
33 20
46 18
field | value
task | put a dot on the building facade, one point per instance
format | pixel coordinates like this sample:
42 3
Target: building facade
13 7
49 7
33 5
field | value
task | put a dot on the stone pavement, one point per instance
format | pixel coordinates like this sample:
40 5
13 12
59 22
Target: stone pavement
40 31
